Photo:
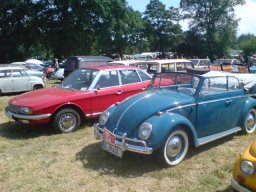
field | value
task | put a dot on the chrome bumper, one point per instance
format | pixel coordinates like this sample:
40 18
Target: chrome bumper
121 142
12 115
239 187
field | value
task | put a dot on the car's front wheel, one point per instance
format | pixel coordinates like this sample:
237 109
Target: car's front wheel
175 148
66 120
250 122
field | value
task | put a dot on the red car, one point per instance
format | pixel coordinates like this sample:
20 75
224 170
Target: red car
85 93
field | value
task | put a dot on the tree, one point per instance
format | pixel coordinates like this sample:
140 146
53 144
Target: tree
120 29
214 20
162 31
17 29
248 46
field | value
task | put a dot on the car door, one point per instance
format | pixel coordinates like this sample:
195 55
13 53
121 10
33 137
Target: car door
6 84
21 81
237 99
131 83
214 107
107 92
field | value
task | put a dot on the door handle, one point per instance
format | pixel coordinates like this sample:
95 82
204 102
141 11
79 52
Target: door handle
228 101
119 92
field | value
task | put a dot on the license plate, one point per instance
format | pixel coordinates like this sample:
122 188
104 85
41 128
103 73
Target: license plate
112 149
108 136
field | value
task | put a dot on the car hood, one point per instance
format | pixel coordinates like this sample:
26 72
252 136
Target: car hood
46 97
133 111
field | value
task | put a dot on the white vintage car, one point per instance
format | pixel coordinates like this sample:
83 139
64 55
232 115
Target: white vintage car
16 79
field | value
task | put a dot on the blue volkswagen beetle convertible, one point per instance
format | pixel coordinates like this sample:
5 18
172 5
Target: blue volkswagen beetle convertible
179 110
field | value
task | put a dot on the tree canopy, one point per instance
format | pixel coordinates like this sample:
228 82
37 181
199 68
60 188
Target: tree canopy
214 20
60 28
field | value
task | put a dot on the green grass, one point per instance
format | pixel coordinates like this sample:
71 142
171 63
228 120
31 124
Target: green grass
34 158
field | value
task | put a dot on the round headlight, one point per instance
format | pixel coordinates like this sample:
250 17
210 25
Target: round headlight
25 110
104 118
145 130
247 167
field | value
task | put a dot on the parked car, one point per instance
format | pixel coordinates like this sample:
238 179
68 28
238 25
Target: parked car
158 66
201 63
59 74
30 72
16 79
167 119
85 93
76 62
244 171
230 65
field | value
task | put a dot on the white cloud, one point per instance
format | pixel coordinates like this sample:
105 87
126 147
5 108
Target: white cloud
247 15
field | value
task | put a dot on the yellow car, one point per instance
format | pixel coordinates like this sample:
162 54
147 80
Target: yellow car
244 171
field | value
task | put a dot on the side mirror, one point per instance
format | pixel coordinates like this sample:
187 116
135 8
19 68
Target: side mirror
98 87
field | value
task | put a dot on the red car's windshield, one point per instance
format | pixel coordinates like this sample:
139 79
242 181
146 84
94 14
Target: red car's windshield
79 79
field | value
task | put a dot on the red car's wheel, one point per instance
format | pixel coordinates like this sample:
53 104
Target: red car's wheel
66 120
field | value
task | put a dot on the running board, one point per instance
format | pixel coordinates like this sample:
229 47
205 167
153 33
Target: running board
210 138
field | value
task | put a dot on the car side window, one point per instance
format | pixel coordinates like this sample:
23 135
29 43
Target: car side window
214 85
201 63
5 73
129 76
143 76
108 79
16 73
23 73
233 83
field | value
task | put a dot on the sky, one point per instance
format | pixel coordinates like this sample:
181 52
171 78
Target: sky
246 12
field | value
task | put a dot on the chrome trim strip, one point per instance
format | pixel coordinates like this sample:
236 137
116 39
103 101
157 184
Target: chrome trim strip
131 106
92 114
123 145
180 107
11 115
239 187
208 139
224 99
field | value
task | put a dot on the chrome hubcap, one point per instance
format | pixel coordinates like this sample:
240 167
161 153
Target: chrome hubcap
174 147
67 121
250 121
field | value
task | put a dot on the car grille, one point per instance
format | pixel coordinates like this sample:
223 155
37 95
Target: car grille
14 108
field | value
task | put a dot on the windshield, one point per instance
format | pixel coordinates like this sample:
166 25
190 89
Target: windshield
194 61
79 79
185 83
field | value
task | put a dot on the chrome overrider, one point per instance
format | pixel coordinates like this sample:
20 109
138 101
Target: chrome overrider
12 115
238 187
121 142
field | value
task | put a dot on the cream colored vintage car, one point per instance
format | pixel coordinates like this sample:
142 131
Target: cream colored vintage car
16 79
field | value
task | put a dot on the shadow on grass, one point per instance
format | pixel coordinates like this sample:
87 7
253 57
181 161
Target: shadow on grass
194 151
14 130
229 189
132 164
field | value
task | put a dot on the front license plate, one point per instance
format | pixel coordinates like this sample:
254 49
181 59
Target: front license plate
112 149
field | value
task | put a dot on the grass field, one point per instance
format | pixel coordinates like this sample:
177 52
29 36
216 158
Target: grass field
34 158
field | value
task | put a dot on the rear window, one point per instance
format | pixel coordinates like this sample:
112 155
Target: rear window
71 64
